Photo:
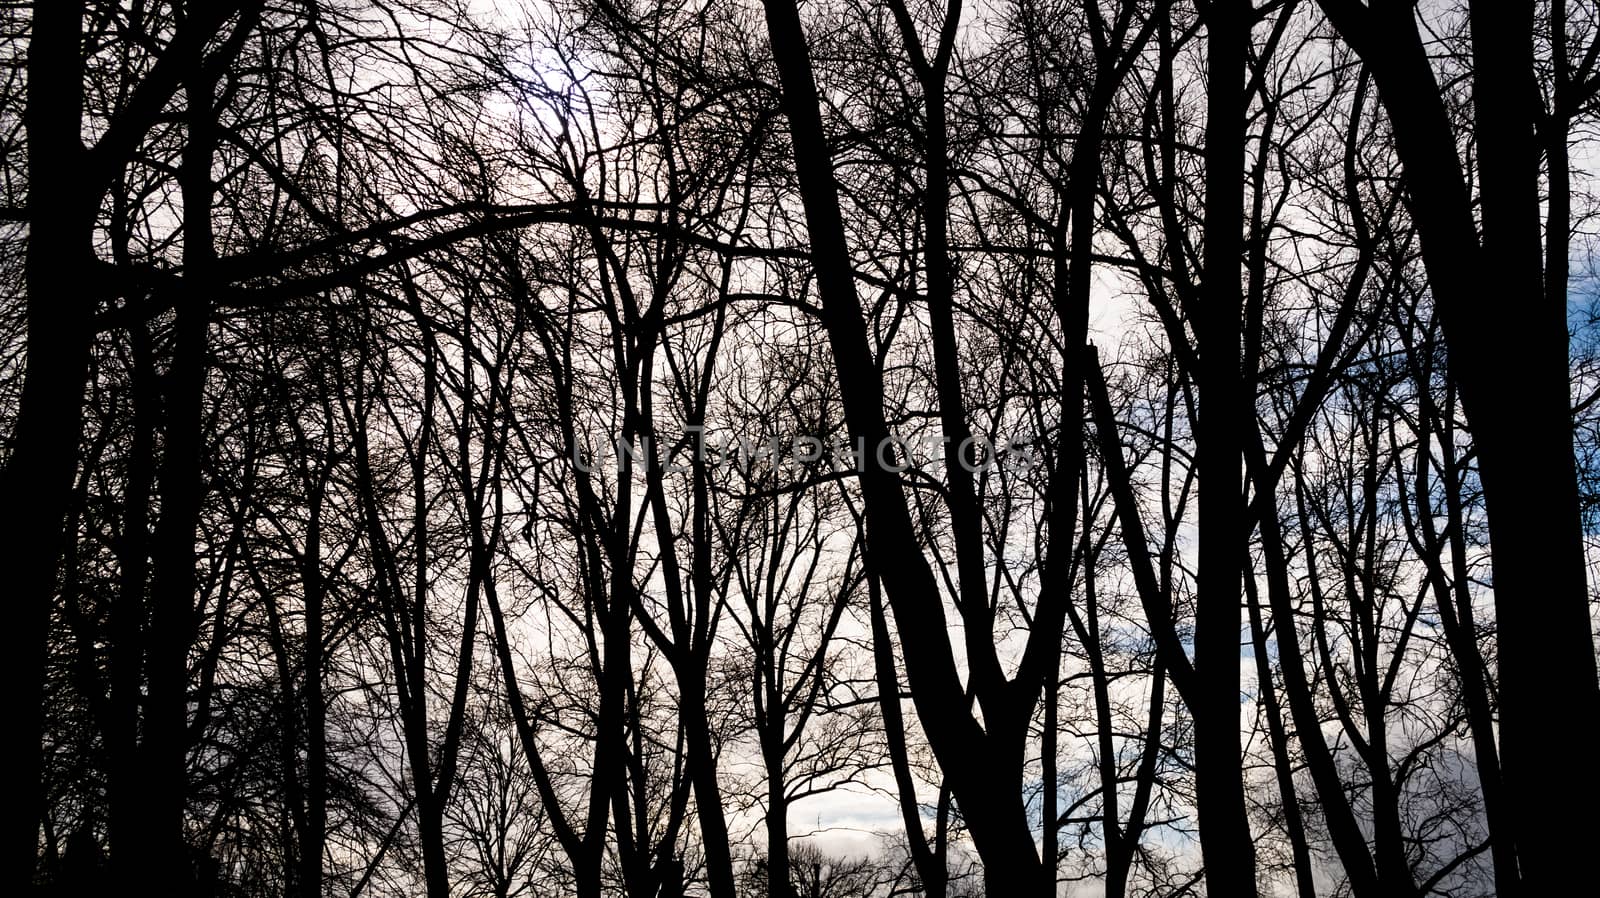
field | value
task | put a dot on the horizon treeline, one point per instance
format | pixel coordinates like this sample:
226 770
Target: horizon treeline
849 449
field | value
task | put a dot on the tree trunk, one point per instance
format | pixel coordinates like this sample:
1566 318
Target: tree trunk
1278 738
987 788
779 883
1453 599
1219 790
128 614
314 836
162 851
929 862
44 449
1507 338
703 773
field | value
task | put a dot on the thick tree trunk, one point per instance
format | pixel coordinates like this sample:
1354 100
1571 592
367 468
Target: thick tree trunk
779 883
163 849
1224 827
430 832
1522 420
703 773
38 476
1507 337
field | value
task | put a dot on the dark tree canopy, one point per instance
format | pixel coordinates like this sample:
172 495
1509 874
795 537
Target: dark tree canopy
599 448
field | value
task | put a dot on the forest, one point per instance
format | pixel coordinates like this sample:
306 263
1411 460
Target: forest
775 449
